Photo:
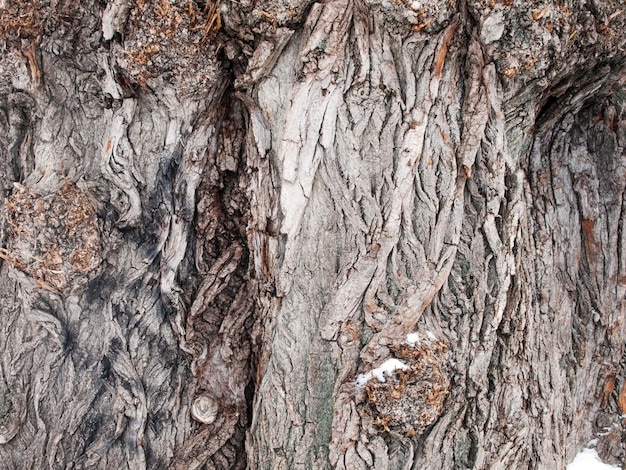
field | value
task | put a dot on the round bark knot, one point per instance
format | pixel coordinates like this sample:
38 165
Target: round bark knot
413 392
204 409
55 237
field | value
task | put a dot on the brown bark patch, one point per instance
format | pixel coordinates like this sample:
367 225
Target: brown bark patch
621 401
442 50
55 237
171 38
412 399
590 241
21 19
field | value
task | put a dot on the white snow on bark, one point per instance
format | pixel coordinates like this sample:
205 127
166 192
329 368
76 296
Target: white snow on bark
415 338
588 459
388 367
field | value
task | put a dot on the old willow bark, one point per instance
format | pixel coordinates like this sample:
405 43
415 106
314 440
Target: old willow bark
217 215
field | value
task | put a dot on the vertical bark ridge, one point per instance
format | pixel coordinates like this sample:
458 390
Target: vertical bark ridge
434 194
398 115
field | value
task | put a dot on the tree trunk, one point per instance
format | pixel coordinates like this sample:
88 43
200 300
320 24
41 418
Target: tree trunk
218 215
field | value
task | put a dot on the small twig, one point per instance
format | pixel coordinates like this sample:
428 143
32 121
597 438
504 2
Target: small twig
616 14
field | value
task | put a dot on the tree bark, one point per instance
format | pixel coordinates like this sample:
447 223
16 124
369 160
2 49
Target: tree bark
218 215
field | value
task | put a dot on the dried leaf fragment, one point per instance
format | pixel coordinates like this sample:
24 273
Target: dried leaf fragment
538 14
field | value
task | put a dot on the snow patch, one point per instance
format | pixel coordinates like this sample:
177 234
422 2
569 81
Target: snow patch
415 338
388 367
588 460
412 339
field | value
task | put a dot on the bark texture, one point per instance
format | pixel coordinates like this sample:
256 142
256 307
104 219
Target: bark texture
225 212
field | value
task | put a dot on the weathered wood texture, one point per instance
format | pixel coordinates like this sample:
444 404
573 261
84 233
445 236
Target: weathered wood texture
255 203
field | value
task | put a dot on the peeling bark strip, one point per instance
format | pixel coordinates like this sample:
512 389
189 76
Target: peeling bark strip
218 214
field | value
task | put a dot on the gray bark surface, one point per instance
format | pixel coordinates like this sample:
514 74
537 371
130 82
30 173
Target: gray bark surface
218 215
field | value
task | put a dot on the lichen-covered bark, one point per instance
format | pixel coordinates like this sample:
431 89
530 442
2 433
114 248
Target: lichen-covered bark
254 202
